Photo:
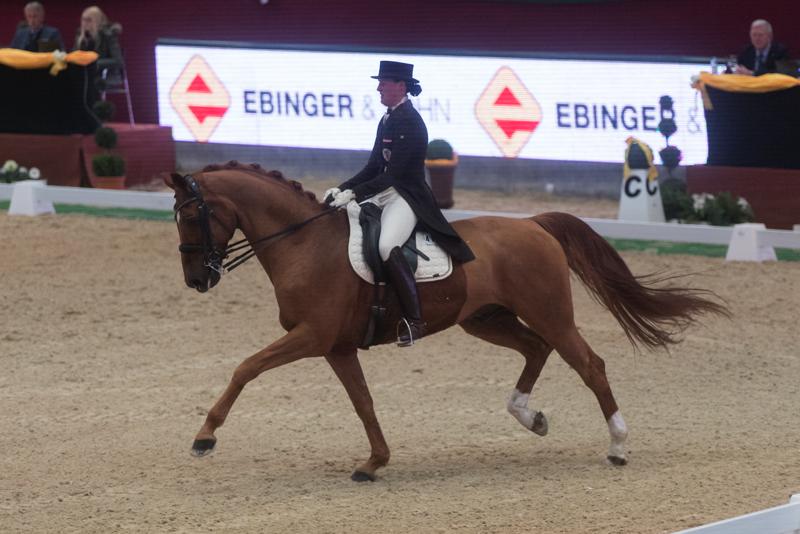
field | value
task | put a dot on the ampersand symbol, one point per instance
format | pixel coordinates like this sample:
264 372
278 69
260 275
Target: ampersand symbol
367 112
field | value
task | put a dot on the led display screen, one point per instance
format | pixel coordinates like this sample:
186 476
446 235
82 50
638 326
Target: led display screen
555 109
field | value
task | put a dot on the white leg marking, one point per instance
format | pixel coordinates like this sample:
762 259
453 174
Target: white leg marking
531 419
619 433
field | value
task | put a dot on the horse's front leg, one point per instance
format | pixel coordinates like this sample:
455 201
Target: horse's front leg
347 367
297 344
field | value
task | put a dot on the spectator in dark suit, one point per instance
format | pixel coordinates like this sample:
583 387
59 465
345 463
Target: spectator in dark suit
32 34
760 55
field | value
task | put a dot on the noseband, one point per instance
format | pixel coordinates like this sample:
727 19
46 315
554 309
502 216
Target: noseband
213 256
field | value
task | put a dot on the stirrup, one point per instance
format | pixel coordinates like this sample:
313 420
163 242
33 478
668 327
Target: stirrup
403 322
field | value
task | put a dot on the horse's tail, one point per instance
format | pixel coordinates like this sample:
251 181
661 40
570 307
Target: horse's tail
648 314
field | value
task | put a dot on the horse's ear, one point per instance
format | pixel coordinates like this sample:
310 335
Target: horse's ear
175 181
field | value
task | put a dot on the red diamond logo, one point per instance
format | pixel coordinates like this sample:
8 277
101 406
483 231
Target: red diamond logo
199 98
508 112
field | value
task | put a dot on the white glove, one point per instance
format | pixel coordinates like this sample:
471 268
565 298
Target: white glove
330 194
343 198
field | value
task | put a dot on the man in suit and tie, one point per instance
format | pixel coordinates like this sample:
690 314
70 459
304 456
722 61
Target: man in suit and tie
761 54
33 35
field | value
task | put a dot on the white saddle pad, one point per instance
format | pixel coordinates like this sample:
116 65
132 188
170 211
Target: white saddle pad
437 268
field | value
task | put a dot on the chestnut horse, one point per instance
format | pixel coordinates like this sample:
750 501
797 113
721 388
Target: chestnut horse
515 294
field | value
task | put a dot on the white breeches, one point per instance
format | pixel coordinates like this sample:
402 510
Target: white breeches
397 220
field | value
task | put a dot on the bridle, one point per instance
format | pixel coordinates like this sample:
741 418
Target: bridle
213 257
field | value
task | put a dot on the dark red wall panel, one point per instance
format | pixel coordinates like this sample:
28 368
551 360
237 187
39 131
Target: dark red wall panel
644 27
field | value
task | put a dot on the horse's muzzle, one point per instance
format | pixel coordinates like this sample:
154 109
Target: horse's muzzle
204 283
199 285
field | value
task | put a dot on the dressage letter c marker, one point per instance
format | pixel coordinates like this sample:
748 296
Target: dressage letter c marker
629 190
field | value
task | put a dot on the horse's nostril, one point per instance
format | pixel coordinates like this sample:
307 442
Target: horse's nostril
194 283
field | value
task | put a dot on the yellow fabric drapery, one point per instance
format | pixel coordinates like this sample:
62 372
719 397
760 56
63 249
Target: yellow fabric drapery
57 61
652 171
742 84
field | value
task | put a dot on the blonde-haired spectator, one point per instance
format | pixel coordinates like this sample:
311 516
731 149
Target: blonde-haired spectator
96 34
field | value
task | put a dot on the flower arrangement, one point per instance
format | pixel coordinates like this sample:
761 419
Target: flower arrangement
12 172
722 209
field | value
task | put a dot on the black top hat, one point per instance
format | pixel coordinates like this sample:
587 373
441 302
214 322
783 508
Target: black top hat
397 71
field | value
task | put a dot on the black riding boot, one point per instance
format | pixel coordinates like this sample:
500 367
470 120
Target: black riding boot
412 328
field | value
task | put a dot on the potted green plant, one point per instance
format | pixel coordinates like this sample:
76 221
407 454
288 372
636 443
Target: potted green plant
441 161
108 168
104 110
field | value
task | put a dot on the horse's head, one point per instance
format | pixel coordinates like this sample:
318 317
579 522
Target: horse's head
206 224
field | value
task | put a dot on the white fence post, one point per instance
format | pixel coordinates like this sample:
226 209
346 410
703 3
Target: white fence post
746 244
26 199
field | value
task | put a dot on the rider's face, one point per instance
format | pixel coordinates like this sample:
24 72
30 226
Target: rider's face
392 91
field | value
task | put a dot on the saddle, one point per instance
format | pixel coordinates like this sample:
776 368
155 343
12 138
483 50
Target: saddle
428 261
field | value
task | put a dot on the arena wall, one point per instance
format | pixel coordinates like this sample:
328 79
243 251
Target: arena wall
663 27
498 174
657 27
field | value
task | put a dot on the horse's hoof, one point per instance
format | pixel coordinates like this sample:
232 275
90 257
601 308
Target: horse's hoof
539 424
361 476
201 447
617 460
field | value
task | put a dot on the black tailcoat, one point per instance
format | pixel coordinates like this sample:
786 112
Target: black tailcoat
398 160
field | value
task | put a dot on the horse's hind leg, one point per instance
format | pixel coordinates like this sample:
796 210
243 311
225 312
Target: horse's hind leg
347 367
591 368
501 327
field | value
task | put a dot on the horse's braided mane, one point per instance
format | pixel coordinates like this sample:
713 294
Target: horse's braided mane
255 168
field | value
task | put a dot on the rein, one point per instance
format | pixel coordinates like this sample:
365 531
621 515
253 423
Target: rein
250 249
212 256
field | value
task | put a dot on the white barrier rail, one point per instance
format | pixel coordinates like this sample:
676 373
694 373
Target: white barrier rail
780 238
103 198
746 242
784 519
106 198
681 233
